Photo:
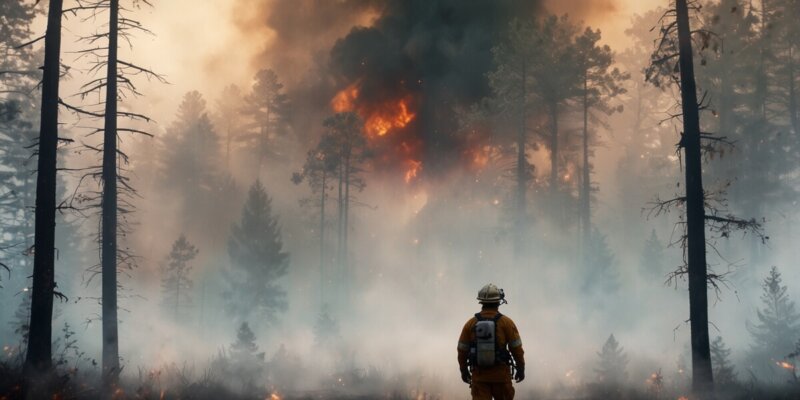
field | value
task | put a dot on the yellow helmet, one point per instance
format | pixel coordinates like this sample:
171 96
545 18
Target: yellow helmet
490 293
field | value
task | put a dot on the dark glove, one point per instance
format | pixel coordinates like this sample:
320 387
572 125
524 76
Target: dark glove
520 375
466 376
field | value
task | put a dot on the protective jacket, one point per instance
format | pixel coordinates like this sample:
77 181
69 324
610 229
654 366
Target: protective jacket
507 338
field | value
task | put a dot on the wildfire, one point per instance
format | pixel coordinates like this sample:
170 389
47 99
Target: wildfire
381 119
274 396
414 167
345 100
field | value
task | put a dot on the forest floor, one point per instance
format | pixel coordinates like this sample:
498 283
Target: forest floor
68 385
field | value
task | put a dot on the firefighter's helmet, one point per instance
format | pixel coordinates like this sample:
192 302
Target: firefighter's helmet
491 294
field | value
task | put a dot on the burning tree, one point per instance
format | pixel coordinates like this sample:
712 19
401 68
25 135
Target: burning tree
257 259
778 324
175 281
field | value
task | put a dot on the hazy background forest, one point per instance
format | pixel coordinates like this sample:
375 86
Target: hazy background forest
329 183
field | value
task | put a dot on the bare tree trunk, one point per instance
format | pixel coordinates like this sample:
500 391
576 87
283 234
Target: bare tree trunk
346 227
339 236
793 94
586 184
553 149
109 233
702 378
38 358
522 173
322 237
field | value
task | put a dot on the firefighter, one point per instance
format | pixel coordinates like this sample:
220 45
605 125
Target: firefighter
490 349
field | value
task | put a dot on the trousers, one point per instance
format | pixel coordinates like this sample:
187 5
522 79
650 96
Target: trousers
492 390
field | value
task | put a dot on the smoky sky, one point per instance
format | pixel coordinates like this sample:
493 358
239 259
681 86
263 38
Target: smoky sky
436 51
439 51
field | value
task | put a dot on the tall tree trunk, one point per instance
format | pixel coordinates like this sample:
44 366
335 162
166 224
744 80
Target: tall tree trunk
586 184
522 173
346 228
339 236
322 237
109 234
793 111
702 378
553 149
39 355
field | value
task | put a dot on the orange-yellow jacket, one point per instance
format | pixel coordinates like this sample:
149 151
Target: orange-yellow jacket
507 335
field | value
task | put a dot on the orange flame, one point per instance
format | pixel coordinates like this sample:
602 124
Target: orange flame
414 167
345 100
381 119
785 365
378 119
394 116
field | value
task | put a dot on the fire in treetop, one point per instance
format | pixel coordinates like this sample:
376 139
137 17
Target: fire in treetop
385 118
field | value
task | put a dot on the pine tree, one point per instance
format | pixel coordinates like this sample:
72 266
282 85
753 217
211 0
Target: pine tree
350 150
246 362
724 373
778 324
652 262
175 282
326 329
257 259
602 276
319 171
601 85
267 105
512 90
612 363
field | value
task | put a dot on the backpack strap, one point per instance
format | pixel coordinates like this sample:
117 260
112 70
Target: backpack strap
497 318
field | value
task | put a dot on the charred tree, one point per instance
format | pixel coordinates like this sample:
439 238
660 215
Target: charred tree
38 358
109 208
702 376
673 61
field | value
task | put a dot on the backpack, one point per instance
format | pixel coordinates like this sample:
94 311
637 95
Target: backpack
484 351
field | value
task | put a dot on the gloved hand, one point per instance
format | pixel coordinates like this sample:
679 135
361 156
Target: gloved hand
520 375
466 376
